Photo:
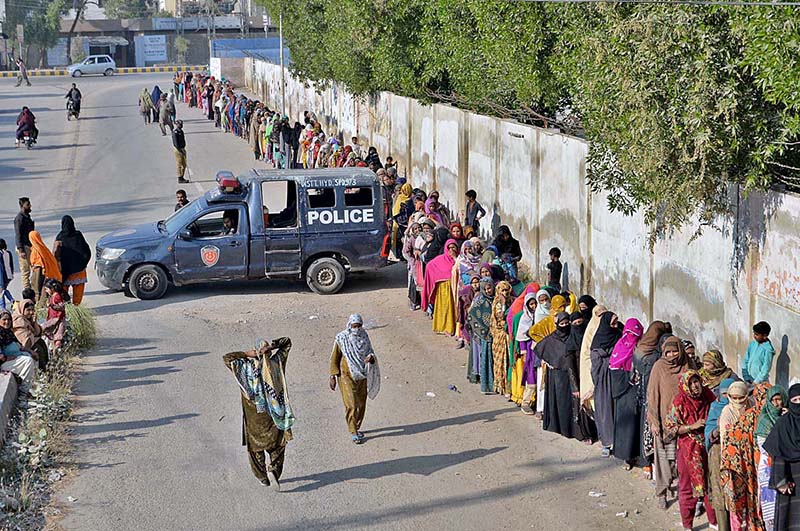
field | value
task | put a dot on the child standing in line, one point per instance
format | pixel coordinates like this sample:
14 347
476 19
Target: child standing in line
757 362
55 325
554 268
6 276
473 211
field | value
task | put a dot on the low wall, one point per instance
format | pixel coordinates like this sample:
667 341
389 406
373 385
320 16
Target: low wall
712 289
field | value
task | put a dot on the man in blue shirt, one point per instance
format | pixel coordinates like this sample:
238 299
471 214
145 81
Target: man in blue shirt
758 358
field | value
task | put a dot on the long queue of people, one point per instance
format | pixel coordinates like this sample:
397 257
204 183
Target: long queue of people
725 445
719 443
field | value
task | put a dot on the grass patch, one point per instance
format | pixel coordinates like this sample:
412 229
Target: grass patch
34 457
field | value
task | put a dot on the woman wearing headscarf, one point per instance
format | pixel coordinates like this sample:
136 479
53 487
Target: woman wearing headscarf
467 264
146 106
457 232
523 375
777 399
737 404
465 299
436 246
411 256
480 322
436 291
502 301
714 370
783 446
73 255
608 333
543 308
354 364
431 213
267 417
30 333
661 390
43 264
685 422
402 209
586 304
585 358
624 381
538 332
508 249
711 433
15 359
155 97
644 357
562 380
738 466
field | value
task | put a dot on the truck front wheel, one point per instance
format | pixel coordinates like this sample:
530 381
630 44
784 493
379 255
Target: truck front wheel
148 282
325 276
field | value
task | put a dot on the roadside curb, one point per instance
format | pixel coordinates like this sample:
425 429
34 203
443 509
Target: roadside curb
125 70
8 400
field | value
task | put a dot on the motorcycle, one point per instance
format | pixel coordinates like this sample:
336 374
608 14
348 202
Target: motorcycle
71 110
27 140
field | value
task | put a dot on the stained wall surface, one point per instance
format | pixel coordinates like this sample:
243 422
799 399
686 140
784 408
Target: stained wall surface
533 180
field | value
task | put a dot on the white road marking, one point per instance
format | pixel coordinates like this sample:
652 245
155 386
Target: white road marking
197 185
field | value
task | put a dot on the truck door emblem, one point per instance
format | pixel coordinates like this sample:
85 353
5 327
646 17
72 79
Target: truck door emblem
210 255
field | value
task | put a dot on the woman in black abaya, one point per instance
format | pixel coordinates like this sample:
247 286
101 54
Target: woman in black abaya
561 381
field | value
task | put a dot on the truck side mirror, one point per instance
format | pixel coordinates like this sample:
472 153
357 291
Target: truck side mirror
185 234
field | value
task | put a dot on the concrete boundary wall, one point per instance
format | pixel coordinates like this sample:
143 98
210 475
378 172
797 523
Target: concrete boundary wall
533 180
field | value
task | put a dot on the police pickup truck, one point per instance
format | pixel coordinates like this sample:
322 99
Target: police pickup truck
317 224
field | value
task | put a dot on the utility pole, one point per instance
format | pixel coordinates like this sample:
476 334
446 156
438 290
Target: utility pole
283 80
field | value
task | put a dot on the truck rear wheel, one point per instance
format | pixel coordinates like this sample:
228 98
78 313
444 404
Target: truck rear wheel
148 282
325 276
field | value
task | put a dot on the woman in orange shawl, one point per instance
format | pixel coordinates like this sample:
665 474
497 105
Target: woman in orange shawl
43 264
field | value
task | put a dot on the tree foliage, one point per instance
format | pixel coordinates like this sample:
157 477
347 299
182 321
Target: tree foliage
677 102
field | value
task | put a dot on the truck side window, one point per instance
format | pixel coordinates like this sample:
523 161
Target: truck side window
358 197
216 224
279 206
321 198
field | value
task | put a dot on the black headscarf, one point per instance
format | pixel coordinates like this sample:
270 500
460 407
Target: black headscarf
436 247
75 253
783 441
576 332
607 335
590 303
7 334
509 246
156 96
553 348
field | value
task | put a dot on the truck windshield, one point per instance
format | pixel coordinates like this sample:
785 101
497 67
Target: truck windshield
181 218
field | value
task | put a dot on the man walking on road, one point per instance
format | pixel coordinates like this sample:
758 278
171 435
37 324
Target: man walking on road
23 72
165 115
267 417
179 143
23 225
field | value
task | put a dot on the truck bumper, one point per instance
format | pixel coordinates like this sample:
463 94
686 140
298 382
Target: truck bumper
111 273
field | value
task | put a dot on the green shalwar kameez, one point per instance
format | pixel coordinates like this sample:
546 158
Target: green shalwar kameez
260 435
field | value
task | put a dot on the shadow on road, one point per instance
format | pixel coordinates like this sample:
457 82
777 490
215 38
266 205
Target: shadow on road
423 427
423 465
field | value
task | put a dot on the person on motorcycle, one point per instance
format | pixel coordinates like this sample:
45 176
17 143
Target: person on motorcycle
75 96
26 124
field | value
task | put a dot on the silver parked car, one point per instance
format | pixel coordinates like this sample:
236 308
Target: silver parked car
94 64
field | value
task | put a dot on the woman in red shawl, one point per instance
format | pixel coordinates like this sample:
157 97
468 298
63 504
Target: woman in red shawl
739 466
686 421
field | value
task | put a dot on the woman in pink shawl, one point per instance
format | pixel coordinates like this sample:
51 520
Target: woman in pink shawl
436 290
624 383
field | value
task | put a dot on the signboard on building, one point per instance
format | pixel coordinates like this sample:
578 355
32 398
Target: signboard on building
154 48
216 67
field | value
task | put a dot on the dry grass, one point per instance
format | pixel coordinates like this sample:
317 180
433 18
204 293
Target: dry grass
37 442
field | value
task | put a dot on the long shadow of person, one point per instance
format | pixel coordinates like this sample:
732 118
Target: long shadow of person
422 427
422 465
783 362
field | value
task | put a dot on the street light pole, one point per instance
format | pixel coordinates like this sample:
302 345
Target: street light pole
283 80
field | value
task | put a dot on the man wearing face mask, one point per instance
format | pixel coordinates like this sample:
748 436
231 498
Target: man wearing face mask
562 378
355 366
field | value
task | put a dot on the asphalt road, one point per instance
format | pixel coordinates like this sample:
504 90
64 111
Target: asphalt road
158 420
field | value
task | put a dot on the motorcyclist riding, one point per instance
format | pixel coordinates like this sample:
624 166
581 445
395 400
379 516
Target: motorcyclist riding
75 96
26 124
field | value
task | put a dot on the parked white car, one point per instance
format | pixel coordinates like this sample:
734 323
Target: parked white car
94 64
